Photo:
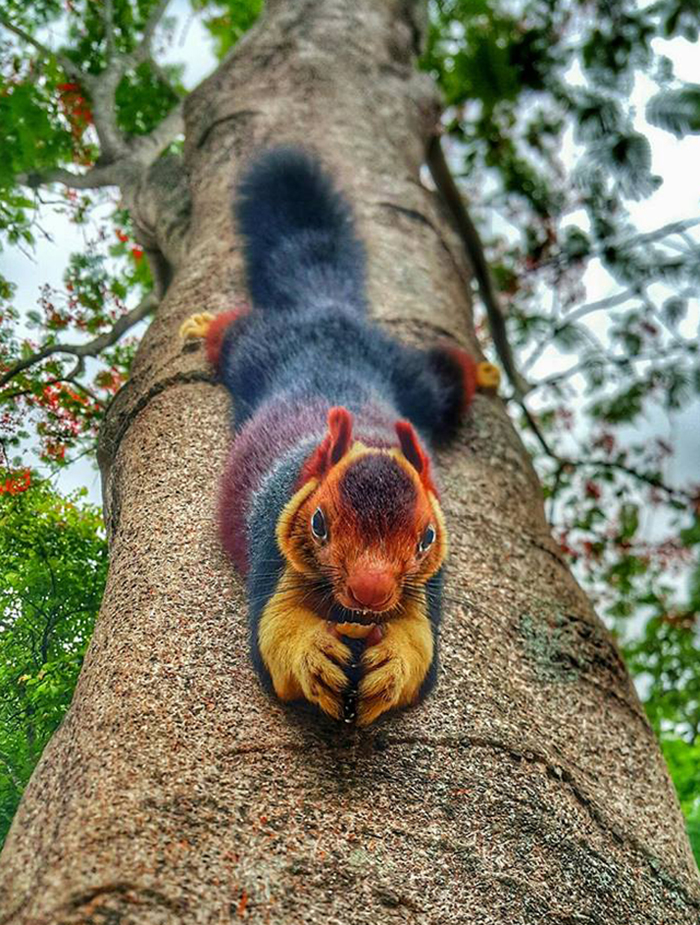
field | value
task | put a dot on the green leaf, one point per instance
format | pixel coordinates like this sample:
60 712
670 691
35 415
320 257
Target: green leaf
53 565
674 309
676 111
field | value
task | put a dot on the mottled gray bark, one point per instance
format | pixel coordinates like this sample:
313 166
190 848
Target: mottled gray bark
529 788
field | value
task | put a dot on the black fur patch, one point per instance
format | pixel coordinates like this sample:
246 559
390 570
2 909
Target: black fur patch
298 234
380 493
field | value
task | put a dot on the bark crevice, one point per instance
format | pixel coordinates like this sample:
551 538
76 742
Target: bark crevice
118 423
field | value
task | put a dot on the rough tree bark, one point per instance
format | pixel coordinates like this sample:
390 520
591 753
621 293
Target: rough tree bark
528 788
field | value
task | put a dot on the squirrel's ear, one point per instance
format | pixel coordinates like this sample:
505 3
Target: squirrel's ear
340 433
413 451
334 446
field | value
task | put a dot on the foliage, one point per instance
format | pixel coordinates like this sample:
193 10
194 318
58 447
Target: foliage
683 761
53 567
227 20
522 81
53 402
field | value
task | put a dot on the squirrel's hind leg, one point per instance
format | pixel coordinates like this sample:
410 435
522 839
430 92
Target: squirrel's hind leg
437 386
459 366
196 325
212 329
461 377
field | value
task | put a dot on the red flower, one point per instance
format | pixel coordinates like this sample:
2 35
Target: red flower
57 450
606 442
17 483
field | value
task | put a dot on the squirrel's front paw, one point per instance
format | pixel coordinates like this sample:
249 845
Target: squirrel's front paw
305 658
319 670
394 669
196 325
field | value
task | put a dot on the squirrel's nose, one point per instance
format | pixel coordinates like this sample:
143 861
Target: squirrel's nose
371 588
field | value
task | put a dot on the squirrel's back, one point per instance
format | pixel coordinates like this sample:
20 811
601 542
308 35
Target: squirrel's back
300 245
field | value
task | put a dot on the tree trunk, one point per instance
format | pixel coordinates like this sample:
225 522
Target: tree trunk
528 788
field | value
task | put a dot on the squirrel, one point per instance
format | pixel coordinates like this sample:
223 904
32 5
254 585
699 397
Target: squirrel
328 505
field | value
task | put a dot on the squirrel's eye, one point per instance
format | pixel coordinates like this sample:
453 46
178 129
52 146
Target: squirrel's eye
427 540
318 525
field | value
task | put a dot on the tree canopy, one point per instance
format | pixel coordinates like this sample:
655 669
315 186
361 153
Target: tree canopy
537 128
54 565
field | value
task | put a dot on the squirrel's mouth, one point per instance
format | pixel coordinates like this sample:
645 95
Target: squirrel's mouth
356 613
363 617
367 603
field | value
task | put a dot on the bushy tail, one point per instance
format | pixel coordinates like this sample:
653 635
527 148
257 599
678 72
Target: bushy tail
301 249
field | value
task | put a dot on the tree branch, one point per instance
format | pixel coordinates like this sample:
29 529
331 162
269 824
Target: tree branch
68 66
571 317
678 227
534 427
147 149
472 243
143 152
564 463
94 178
101 87
113 145
626 243
650 480
160 73
90 349
108 20
143 49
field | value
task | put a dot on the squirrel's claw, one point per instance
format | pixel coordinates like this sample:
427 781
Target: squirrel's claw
394 669
196 325
320 674
488 377
305 658
380 690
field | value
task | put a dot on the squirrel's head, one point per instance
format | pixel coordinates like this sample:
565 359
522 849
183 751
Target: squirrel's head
365 523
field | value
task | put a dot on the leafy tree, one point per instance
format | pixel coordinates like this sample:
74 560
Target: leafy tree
54 565
517 80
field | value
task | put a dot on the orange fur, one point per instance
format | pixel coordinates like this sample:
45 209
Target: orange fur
302 650
304 656
348 549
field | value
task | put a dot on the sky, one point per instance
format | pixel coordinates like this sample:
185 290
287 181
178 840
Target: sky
676 161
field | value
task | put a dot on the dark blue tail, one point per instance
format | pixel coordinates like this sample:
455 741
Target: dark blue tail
300 245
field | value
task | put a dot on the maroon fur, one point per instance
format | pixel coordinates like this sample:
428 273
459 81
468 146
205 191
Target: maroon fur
217 329
265 439
333 447
414 453
379 495
467 366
